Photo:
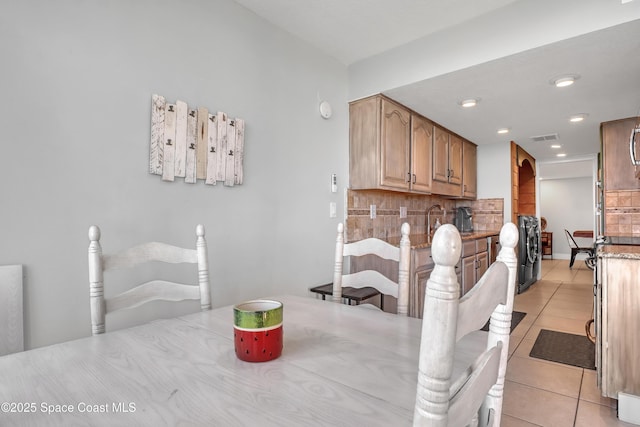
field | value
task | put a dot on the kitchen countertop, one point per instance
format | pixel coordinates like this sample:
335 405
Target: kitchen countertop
619 251
419 241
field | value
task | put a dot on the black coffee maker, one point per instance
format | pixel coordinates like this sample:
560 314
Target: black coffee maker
464 219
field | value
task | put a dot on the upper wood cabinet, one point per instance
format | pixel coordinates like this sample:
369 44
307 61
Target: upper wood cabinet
619 173
394 148
389 147
421 153
447 163
469 170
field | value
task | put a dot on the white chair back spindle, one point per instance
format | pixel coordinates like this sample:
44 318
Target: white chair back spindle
446 396
372 278
148 291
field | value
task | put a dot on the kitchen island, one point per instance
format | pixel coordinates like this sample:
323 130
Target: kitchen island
617 318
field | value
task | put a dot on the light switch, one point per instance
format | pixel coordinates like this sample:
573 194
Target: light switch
372 211
332 209
403 211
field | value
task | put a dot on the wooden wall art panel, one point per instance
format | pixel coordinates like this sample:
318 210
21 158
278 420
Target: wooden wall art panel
192 143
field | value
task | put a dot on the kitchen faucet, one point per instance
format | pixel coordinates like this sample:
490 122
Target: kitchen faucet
436 206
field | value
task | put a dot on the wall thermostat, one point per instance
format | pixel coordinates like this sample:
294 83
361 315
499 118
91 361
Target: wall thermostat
325 109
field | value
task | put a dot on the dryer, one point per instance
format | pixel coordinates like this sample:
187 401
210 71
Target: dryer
528 251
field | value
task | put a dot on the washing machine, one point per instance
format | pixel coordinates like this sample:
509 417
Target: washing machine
529 248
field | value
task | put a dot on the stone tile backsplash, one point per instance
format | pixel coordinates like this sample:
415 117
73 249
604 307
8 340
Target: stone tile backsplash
487 213
622 213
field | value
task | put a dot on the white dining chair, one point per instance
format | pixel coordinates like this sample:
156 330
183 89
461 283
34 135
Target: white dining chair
462 368
148 291
398 289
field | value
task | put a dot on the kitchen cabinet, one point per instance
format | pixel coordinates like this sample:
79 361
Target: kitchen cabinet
447 163
389 147
394 148
619 173
421 153
469 170
421 267
617 315
474 262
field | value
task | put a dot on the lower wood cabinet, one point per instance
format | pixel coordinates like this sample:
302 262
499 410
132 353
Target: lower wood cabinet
617 317
474 262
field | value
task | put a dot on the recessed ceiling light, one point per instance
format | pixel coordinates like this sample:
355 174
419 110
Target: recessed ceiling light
564 81
503 130
556 146
561 155
468 103
578 117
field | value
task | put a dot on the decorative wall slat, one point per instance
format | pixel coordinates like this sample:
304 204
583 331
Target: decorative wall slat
156 144
222 145
239 153
212 151
191 143
201 145
181 138
168 164
192 123
230 167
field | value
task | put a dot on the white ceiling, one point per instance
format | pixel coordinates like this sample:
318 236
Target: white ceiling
514 91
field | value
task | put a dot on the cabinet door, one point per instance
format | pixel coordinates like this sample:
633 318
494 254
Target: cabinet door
469 171
395 150
619 174
421 149
468 273
420 280
440 155
455 159
482 264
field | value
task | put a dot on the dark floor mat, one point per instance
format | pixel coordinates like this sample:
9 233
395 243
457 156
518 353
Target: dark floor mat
560 347
516 317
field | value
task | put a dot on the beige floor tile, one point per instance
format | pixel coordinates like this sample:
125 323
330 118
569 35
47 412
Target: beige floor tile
593 415
590 392
539 407
586 292
569 305
532 309
583 314
524 325
514 342
584 298
535 373
577 285
508 421
562 324
560 275
584 276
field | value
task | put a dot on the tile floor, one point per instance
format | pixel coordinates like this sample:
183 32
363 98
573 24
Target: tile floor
543 393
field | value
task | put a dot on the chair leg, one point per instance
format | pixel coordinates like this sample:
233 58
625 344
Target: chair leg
573 258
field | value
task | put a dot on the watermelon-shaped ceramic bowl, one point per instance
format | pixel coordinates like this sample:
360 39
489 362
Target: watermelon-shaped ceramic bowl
257 330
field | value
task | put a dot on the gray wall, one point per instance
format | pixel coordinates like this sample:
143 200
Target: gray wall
76 83
567 203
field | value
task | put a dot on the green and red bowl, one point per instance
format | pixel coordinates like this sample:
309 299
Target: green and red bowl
257 330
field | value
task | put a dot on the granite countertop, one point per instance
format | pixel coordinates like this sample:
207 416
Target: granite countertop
619 251
419 241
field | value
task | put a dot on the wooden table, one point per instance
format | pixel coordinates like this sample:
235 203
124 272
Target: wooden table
341 365
583 233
